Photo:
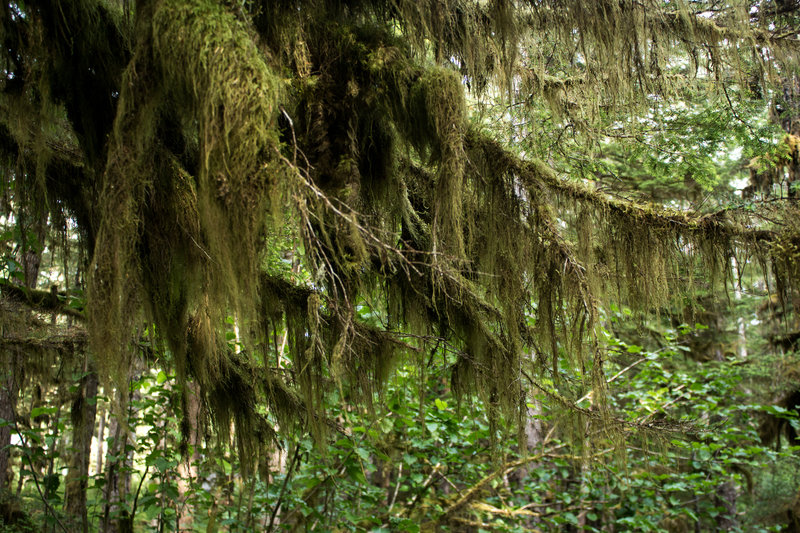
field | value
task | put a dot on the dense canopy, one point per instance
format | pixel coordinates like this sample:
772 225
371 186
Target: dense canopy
237 168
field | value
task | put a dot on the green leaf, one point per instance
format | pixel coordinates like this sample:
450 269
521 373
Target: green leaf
363 453
39 411
407 525
161 464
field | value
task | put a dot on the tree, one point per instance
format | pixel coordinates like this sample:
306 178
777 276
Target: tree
197 145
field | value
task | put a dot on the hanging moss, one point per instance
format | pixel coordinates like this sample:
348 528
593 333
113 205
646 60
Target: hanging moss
203 267
232 95
115 283
785 259
438 111
212 123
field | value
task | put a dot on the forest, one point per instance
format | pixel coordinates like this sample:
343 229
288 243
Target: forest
414 265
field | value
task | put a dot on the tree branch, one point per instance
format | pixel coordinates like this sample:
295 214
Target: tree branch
41 300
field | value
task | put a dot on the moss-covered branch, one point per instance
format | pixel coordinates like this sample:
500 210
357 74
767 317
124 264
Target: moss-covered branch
538 175
68 344
42 301
186 140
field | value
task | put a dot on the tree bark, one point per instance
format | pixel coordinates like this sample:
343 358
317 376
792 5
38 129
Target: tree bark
8 403
187 469
101 435
741 328
726 497
83 412
115 517
31 257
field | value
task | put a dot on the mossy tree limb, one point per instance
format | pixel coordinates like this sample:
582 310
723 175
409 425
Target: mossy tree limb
214 125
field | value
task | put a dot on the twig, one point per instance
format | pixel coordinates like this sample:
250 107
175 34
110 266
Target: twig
283 488
138 490
33 472
615 376
486 508
396 487
664 407
424 488
618 374
473 491
735 114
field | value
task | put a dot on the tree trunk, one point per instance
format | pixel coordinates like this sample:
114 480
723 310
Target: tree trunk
534 436
187 469
83 414
101 435
726 497
8 403
741 327
30 257
115 516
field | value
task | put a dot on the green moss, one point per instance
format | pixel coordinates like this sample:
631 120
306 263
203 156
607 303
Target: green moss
185 228
210 63
366 151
